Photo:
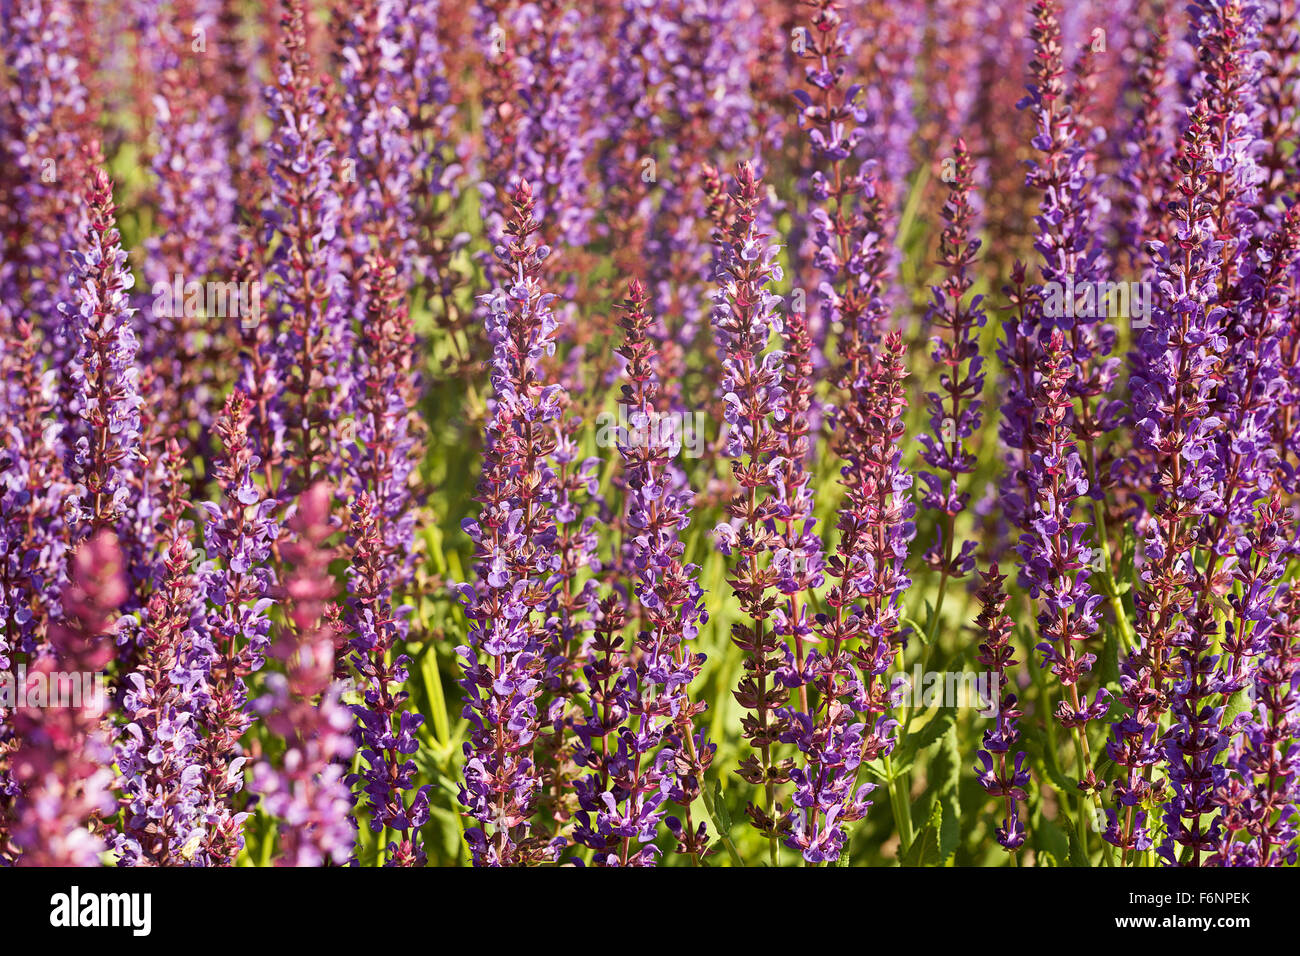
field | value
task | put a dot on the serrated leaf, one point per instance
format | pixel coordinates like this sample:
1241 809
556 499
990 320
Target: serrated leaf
947 776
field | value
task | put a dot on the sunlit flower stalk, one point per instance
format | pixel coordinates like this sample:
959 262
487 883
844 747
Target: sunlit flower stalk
744 316
507 644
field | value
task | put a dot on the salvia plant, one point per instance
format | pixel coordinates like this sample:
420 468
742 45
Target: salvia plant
650 433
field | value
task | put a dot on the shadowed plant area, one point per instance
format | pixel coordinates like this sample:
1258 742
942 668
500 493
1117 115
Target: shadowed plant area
697 433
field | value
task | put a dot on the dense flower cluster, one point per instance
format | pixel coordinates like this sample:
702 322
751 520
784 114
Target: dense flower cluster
995 776
640 738
537 432
514 540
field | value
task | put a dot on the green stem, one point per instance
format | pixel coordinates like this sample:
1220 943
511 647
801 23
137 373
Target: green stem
1107 580
712 810
900 804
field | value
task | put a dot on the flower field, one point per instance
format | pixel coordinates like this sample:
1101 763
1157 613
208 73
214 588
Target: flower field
696 433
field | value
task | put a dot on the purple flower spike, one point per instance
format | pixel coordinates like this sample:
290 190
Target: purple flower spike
158 753
104 445
744 316
955 413
385 729
1054 557
238 533
639 738
995 776
514 540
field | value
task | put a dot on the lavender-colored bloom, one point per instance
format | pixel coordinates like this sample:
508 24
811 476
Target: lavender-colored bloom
861 633
1182 349
196 199
955 414
1199 736
1258 799
1253 275
1072 209
848 231
381 459
639 736
1073 268
311 325
1192 746
33 537
49 106
102 377
377 128
744 316
385 730
995 776
1145 145
953 83
161 773
437 161
544 57
1054 558
799 556
514 540
238 534
889 37
677 75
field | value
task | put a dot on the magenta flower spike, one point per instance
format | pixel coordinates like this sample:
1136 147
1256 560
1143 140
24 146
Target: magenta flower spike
63 762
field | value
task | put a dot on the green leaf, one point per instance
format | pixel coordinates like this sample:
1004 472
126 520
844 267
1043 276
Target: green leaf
876 768
720 805
946 776
935 727
915 625
1238 703
1037 745
846 855
1077 856
1051 840
924 850
1125 581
